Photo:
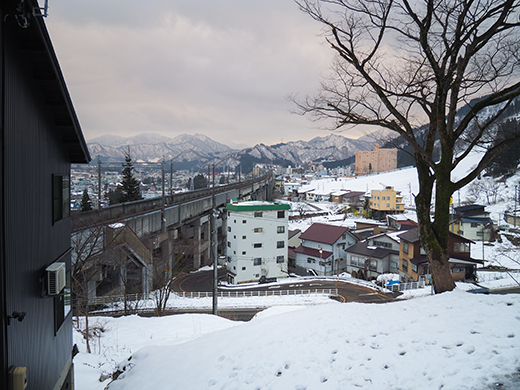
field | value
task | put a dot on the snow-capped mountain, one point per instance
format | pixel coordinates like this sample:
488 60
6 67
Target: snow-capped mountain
201 150
155 147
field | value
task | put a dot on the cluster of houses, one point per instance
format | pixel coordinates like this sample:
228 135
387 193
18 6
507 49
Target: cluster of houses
260 246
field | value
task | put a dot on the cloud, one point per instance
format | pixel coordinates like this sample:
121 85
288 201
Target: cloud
220 68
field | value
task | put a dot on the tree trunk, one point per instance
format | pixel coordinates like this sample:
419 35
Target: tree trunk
435 234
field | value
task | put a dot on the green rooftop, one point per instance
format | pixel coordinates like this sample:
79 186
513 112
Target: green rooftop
256 206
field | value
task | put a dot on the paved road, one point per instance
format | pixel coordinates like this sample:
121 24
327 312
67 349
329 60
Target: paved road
348 292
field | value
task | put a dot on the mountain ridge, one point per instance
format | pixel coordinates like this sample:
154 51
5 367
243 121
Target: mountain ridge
199 150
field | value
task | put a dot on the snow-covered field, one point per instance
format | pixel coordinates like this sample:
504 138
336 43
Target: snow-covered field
454 340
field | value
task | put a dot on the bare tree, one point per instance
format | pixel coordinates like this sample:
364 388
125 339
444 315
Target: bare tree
402 64
88 248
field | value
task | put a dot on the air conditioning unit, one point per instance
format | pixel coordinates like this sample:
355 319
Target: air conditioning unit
56 278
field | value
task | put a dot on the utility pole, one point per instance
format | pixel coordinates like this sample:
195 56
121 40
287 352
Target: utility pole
515 207
99 181
171 177
214 214
163 200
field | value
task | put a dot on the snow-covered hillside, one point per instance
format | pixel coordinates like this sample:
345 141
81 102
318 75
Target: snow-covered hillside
453 341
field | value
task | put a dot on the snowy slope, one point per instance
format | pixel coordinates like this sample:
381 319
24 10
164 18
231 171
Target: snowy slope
454 340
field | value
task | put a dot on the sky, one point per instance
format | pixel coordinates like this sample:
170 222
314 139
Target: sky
219 68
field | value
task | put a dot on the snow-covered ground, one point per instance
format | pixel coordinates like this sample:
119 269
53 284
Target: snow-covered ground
454 340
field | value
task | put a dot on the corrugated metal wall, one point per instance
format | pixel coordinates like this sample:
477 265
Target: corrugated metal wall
32 154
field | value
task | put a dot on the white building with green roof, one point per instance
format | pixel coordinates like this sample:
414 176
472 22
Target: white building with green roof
257 235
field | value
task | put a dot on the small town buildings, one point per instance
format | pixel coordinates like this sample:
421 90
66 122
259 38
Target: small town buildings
472 222
40 138
374 256
257 241
377 160
384 202
414 263
322 251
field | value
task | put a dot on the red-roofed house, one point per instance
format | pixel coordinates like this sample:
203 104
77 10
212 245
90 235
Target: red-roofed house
322 251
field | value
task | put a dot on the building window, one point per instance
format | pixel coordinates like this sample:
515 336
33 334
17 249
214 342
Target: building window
405 247
474 224
388 205
397 206
243 252
280 229
235 221
243 268
373 265
414 268
280 244
243 237
258 214
382 244
405 265
60 197
244 221
281 214
280 259
393 265
310 260
258 230
229 228
257 245
461 247
257 261
229 244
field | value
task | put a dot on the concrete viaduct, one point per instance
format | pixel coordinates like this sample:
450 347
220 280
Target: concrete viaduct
145 241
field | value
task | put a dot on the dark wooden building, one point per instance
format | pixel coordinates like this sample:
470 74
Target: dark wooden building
40 137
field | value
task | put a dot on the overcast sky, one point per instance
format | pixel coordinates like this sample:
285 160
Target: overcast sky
220 68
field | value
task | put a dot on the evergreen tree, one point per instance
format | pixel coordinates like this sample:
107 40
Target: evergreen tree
199 182
130 185
86 204
114 195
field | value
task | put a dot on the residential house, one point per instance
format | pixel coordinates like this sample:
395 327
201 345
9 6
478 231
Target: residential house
337 196
354 198
374 256
414 263
257 238
399 222
291 188
365 229
40 138
473 222
322 251
384 202
318 196
293 242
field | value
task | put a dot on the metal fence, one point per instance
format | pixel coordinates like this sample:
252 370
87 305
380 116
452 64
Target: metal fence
488 276
111 299
406 286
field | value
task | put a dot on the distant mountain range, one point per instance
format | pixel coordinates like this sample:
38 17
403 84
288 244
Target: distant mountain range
198 151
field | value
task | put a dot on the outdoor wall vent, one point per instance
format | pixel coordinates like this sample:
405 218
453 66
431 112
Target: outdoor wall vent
56 278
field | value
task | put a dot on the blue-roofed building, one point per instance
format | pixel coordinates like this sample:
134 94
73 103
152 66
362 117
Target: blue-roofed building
472 222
